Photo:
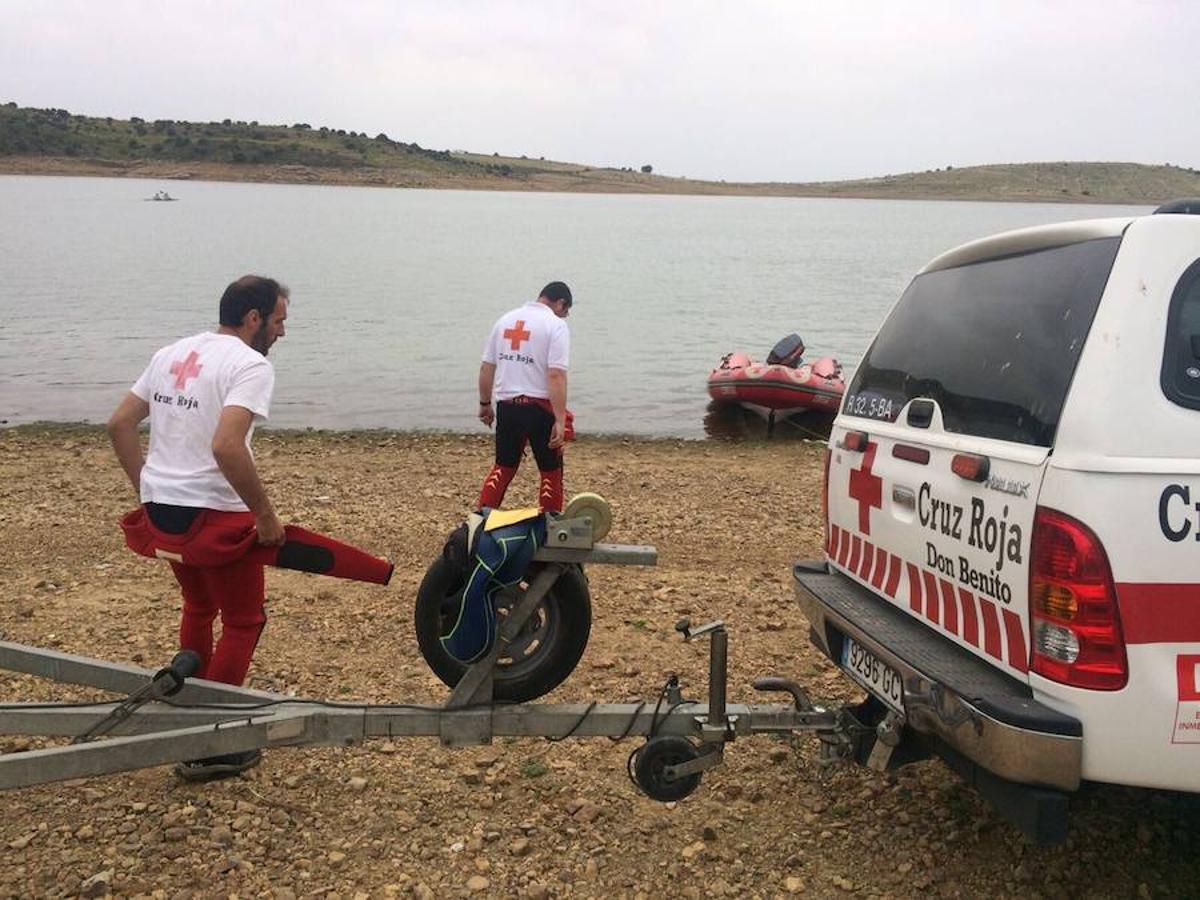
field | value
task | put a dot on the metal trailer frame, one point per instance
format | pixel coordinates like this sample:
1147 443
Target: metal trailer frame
167 717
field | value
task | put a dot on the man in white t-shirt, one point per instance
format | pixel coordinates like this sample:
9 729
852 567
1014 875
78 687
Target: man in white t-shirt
524 370
203 505
204 395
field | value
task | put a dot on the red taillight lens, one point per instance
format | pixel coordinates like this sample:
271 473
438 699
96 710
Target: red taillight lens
825 499
918 455
970 466
1076 624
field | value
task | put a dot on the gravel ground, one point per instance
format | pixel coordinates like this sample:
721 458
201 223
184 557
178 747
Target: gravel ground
521 817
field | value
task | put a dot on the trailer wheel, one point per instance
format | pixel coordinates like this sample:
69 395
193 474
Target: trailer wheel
545 652
650 762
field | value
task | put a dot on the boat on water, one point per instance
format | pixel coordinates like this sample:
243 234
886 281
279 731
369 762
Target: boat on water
162 197
784 384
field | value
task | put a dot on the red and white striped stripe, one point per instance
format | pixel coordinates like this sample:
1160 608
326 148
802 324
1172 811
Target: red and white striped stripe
974 619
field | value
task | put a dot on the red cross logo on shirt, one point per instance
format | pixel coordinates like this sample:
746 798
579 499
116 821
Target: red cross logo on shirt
185 369
517 334
867 488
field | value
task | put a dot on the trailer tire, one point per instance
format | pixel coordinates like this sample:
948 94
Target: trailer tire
652 758
547 650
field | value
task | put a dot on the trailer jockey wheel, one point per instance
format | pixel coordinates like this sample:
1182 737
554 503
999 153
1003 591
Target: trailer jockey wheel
650 762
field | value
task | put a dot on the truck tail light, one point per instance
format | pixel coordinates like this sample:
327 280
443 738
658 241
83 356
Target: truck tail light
970 466
1076 624
825 498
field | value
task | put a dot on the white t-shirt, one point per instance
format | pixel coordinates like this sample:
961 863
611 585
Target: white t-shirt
523 345
187 384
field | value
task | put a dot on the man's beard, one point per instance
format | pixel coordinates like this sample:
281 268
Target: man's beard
259 342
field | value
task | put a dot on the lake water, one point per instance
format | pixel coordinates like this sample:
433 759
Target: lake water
393 291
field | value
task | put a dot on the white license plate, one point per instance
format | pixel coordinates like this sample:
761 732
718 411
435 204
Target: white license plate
873 673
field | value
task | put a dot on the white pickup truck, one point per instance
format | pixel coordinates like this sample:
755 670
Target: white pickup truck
1012 558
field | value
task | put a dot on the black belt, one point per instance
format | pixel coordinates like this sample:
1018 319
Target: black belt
522 399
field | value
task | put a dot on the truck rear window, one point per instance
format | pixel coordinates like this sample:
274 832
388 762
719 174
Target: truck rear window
1181 356
995 343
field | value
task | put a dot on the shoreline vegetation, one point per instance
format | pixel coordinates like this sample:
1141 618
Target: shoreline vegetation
55 142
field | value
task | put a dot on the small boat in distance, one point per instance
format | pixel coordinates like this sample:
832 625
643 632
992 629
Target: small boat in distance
161 196
785 383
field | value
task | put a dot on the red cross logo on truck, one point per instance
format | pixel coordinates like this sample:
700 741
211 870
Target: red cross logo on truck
517 334
185 369
867 488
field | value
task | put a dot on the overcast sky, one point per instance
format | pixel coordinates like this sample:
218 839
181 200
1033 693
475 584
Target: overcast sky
749 90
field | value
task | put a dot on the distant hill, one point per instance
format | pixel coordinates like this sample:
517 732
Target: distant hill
53 141
1077 182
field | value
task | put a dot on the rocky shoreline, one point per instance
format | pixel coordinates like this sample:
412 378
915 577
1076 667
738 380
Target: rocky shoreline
1081 183
521 817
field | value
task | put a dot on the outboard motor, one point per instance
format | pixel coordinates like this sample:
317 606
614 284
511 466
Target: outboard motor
787 352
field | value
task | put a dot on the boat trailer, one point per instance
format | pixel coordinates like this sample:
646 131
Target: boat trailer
168 716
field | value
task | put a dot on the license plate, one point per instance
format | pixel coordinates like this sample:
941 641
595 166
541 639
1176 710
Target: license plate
873 673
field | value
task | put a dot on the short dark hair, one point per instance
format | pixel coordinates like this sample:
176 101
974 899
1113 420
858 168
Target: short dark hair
247 293
557 290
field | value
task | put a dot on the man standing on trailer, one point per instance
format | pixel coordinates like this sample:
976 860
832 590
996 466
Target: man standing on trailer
524 371
204 507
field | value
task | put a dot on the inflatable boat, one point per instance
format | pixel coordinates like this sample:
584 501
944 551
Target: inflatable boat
785 383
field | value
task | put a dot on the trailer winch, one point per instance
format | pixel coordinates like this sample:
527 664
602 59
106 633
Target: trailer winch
169 716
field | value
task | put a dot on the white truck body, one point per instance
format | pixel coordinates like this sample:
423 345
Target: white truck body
1028 415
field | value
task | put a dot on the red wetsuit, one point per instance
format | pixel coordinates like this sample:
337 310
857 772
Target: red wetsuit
218 563
519 422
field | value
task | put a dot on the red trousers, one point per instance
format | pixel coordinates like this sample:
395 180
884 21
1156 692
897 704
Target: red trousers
236 591
218 563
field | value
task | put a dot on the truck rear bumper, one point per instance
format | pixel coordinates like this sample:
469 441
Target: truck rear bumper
978 711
